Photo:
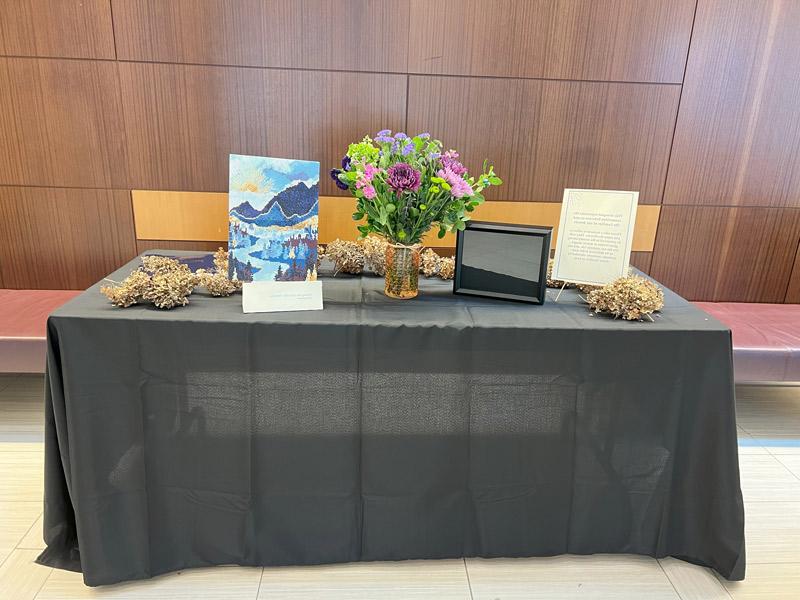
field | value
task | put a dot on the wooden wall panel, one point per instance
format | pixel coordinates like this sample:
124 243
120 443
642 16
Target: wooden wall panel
182 122
612 40
60 123
544 136
361 35
737 141
742 254
56 28
642 260
56 238
793 290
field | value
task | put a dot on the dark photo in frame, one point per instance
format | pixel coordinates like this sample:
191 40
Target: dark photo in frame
503 261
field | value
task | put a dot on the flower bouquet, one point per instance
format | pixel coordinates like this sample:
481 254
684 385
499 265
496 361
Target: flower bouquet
405 186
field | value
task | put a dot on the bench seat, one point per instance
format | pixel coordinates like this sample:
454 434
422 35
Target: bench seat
23 327
766 339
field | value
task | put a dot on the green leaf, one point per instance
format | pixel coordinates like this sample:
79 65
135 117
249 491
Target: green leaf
357 216
441 233
460 225
495 180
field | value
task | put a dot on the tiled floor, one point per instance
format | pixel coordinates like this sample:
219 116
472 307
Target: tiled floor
769 445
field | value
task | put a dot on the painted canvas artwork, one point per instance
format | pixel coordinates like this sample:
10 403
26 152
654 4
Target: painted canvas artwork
273 215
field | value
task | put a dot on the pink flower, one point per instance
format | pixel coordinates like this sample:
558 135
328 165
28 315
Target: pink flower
370 171
369 192
450 161
458 186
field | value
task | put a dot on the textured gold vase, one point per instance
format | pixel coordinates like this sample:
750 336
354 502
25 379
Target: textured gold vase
402 271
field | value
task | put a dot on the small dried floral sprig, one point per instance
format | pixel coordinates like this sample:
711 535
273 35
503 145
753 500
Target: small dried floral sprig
630 298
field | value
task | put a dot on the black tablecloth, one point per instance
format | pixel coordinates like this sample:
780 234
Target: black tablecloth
379 429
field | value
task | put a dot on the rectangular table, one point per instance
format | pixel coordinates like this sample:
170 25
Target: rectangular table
379 429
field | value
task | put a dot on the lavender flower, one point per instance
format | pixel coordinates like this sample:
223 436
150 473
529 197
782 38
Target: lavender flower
400 136
339 183
346 163
424 136
402 177
407 149
384 136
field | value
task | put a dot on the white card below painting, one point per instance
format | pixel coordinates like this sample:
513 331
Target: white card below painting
281 296
595 236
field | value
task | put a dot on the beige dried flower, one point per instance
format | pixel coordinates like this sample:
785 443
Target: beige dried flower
216 282
374 248
447 267
170 289
348 257
429 262
630 298
129 291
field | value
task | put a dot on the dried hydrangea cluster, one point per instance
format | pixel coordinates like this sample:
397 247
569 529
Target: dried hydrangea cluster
370 253
348 257
630 298
167 283
375 254
216 281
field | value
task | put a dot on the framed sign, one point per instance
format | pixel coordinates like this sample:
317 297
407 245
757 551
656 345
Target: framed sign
497 260
595 234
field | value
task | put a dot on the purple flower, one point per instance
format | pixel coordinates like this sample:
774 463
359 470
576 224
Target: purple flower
458 186
346 163
407 149
403 177
450 161
384 136
369 192
424 136
339 183
400 136
433 155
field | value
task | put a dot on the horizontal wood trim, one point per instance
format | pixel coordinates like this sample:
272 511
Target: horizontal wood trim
203 216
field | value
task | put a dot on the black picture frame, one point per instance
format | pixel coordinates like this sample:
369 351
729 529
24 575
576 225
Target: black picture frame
466 282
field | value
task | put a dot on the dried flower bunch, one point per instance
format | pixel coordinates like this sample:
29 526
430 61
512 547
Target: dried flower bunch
167 283
370 253
630 298
216 281
375 254
347 256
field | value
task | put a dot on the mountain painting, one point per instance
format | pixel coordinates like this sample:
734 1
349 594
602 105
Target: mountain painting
273 215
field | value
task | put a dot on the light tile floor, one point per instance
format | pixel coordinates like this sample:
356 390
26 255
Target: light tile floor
769 447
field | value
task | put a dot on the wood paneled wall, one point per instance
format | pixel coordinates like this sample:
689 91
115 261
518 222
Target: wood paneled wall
691 102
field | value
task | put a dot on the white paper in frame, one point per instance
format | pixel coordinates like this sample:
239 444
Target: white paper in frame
595 236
